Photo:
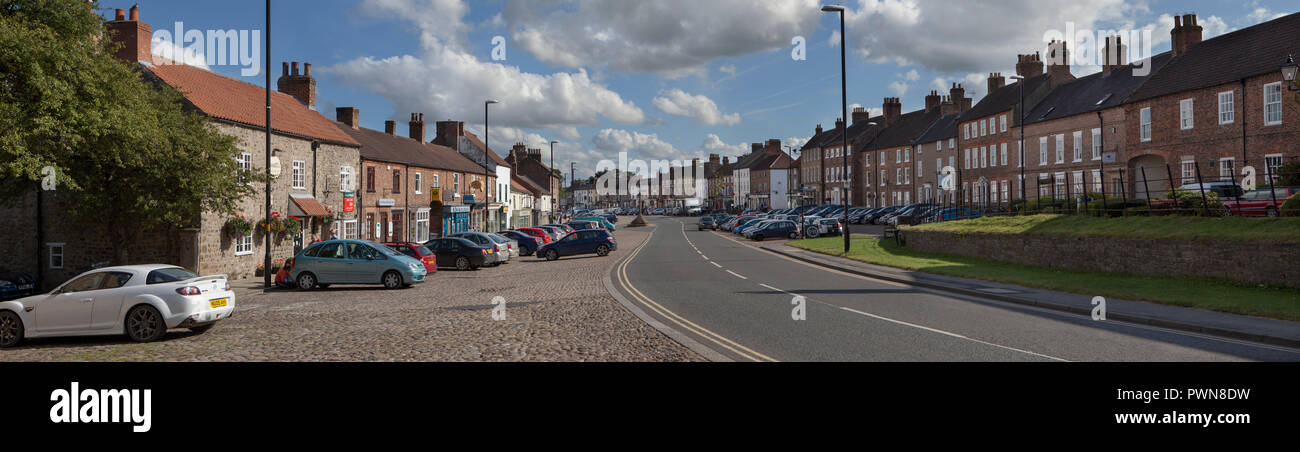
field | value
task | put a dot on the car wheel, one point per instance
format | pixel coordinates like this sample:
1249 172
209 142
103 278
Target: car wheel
202 328
306 281
813 233
1271 212
794 235
145 324
758 237
11 329
462 263
602 250
552 255
392 280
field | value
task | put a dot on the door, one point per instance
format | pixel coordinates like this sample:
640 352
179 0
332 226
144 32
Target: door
107 307
328 263
365 264
445 251
70 309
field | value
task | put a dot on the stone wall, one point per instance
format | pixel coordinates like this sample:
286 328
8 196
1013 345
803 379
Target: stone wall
1264 263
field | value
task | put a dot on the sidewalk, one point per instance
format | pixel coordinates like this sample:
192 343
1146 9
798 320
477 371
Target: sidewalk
248 287
1256 329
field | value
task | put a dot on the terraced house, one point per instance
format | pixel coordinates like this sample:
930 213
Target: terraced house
493 180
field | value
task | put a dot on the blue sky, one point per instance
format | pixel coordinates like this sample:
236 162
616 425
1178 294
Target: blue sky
659 79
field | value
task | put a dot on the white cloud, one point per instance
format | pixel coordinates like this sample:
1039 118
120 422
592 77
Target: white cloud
976 85
177 53
1262 14
680 103
729 69
671 37
796 142
445 81
714 145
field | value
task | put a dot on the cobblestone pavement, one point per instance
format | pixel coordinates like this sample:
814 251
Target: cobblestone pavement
556 311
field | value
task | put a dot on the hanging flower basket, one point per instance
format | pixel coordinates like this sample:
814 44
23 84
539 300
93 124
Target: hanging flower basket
271 225
238 227
290 226
328 219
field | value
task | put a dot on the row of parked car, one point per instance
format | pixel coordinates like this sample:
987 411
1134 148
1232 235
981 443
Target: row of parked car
764 226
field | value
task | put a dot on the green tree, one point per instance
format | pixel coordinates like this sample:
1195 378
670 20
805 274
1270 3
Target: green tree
127 154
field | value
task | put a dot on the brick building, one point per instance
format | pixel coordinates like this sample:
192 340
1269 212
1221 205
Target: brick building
488 211
988 135
888 155
811 166
539 178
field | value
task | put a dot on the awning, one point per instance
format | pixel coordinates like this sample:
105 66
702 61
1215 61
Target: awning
306 207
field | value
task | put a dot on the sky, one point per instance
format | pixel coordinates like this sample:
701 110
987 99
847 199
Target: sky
665 79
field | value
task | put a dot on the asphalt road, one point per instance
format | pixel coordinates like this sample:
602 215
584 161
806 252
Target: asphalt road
738 301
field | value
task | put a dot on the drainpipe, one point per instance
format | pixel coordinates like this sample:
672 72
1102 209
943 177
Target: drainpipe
1244 111
40 239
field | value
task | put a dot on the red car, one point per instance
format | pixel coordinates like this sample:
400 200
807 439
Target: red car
418 252
1260 202
539 234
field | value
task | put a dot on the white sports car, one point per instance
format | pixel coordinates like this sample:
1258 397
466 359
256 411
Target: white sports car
140 301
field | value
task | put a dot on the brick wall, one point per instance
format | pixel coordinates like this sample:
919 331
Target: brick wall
1264 263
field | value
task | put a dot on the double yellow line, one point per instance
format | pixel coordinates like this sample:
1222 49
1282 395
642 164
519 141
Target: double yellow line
687 325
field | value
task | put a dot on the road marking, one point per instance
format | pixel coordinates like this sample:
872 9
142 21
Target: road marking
946 333
645 300
738 275
715 264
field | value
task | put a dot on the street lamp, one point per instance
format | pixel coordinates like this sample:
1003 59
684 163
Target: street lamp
486 133
555 200
266 241
1021 81
844 107
1289 69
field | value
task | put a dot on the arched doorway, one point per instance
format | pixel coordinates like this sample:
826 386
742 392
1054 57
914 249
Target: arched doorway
1149 174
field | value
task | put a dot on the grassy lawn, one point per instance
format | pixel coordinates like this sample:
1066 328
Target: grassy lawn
1205 293
1285 230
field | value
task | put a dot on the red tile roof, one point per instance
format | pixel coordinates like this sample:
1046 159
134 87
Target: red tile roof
225 98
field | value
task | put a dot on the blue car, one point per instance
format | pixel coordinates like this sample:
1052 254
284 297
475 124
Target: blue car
527 243
740 230
16 285
354 262
588 241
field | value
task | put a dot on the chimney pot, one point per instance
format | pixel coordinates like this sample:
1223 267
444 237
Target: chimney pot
306 71
294 65
119 14
135 13
134 37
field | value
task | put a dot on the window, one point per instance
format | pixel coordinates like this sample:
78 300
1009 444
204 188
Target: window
882 178
345 179
920 167
938 164
1145 121
1020 154
1059 186
967 154
952 143
1004 154
1006 186
1272 165
1042 151
1060 148
952 161
397 181
56 255
1096 181
1273 104
244 245
419 178
966 131
984 127
907 156
370 179
866 159
984 157
938 147
1096 144
455 183
1226 112
1185 114
299 177
1078 184
1078 146
1226 172
1189 172
1004 123
245 165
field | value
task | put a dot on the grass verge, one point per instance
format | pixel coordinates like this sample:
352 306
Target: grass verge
1233 229
1204 293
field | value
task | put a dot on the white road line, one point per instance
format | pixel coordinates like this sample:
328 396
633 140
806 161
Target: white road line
926 328
736 274
703 256
715 264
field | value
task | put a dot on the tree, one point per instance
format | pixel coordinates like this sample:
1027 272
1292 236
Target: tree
126 153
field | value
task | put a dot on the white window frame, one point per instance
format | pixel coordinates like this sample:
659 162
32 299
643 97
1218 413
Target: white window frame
1188 172
1060 148
346 179
1186 114
1277 88
1096 144
1231 167
984 127
51 253
984 157
1144 121
244 245
1004 124
435 181
1096 181
1078 146
1042 151
1005 162
299 177
1268 163
419 179
1227 109
245 160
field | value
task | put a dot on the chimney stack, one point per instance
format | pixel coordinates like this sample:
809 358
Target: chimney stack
996 82
714 159
1114 54
449 133
819 130
726 161
1186 33
419 130
860 114
1029 65
300 86
773 146
1058 59
933 100
135 37
756 148
390 127
893 109
350 116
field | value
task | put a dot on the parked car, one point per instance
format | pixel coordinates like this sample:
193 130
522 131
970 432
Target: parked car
953 214
139 301
1263 202
355 262
415 251
707 223
527 243
1224 189
461 254
510 244
16 285
753 224
538 234
583 225
599 220
502 253
591 241
776 228
828 227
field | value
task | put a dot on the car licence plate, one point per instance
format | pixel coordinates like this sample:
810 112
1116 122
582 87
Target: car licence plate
218 303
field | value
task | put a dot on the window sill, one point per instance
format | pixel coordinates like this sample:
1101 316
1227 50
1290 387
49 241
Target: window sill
1273 124
243 253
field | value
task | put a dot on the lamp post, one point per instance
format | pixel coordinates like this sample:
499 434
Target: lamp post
1021 117
266 244
486 132
555 200
844 107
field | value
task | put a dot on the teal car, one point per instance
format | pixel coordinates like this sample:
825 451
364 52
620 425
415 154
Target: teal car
599 220
354 262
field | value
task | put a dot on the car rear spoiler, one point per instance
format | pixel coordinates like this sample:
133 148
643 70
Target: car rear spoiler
201 278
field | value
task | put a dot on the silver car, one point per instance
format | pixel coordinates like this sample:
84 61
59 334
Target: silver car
501 251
